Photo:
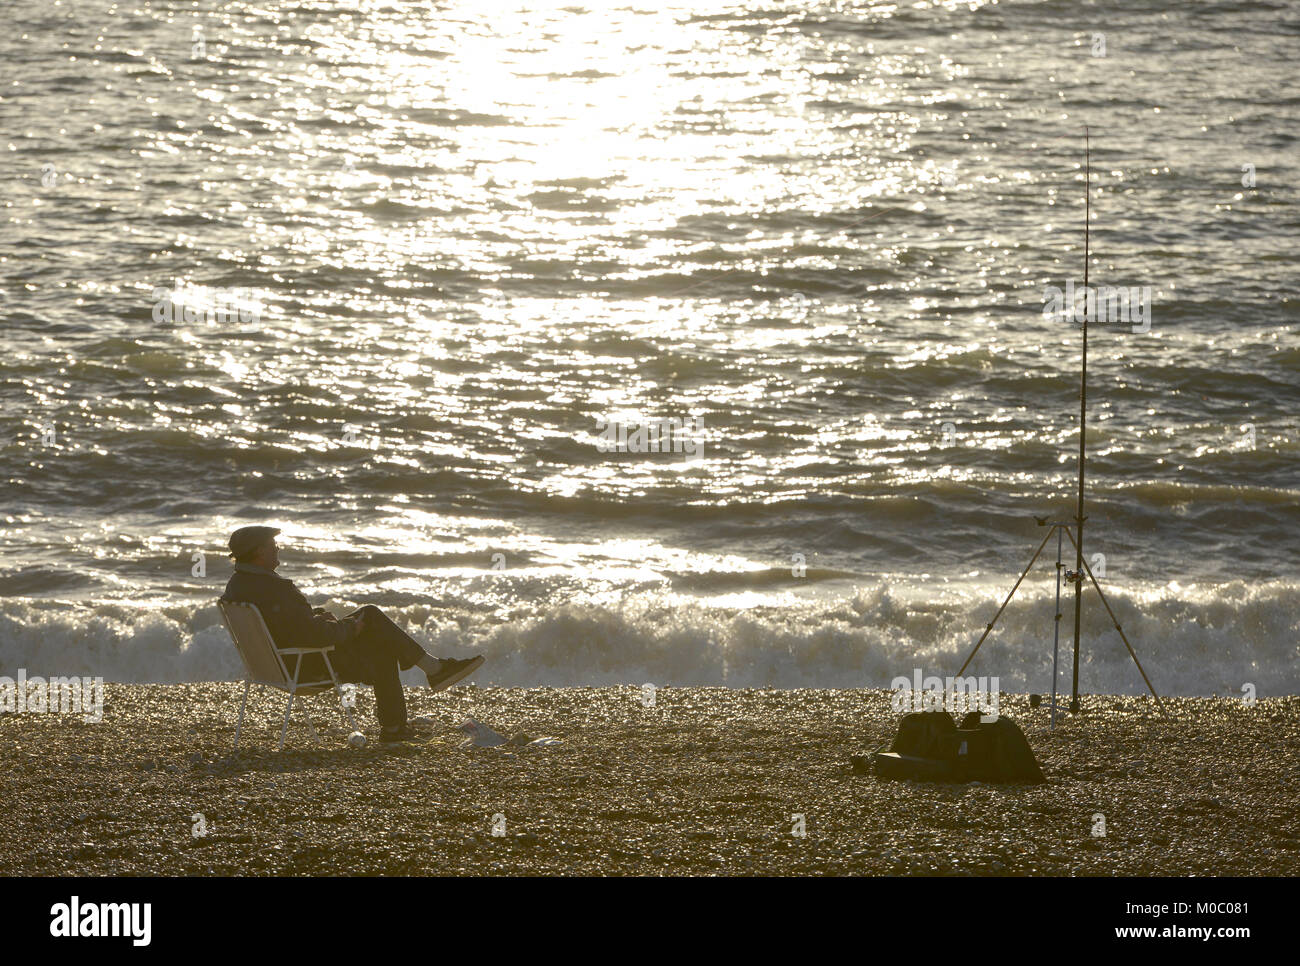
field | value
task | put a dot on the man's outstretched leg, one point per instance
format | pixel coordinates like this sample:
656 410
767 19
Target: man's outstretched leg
380 671
383 648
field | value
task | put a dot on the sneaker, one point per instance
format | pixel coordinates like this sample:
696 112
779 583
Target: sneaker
451 670
404 733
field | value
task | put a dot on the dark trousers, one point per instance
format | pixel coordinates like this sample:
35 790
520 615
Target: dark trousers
373 657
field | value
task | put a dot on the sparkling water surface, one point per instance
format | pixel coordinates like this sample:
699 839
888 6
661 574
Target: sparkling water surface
414 253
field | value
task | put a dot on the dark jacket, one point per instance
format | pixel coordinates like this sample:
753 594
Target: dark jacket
288 616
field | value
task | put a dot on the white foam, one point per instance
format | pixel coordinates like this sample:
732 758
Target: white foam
1191 640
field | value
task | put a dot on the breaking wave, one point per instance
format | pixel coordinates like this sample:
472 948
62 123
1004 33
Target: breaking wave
1191 640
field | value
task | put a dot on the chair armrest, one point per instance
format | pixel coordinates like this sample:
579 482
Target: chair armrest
305 650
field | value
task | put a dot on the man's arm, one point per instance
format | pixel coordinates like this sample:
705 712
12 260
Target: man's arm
309 628
353 623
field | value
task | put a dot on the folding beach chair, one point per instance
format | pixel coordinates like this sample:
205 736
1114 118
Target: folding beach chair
264 663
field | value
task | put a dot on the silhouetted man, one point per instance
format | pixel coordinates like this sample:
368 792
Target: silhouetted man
368 647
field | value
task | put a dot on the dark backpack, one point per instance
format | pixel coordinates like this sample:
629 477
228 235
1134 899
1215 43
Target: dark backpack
930 747
994 751
926 734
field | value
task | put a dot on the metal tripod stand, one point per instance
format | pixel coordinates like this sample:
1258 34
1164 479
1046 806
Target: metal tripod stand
1074 577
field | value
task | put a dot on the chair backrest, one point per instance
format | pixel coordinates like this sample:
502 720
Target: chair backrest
248 631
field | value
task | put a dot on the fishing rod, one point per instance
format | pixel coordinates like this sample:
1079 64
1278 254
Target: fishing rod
1077 575
1059 527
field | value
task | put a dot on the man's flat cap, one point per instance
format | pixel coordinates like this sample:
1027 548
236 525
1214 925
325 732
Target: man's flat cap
247 539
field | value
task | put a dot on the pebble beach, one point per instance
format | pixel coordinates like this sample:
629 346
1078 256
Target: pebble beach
704 782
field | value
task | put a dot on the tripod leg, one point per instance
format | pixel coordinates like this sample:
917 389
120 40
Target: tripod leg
989 628
1056 638
1114 620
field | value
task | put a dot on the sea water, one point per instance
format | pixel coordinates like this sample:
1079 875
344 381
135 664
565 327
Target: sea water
382 274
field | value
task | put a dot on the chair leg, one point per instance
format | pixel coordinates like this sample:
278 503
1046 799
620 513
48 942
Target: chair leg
285 727
348 718
338 693
242 705
310 727
338 690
